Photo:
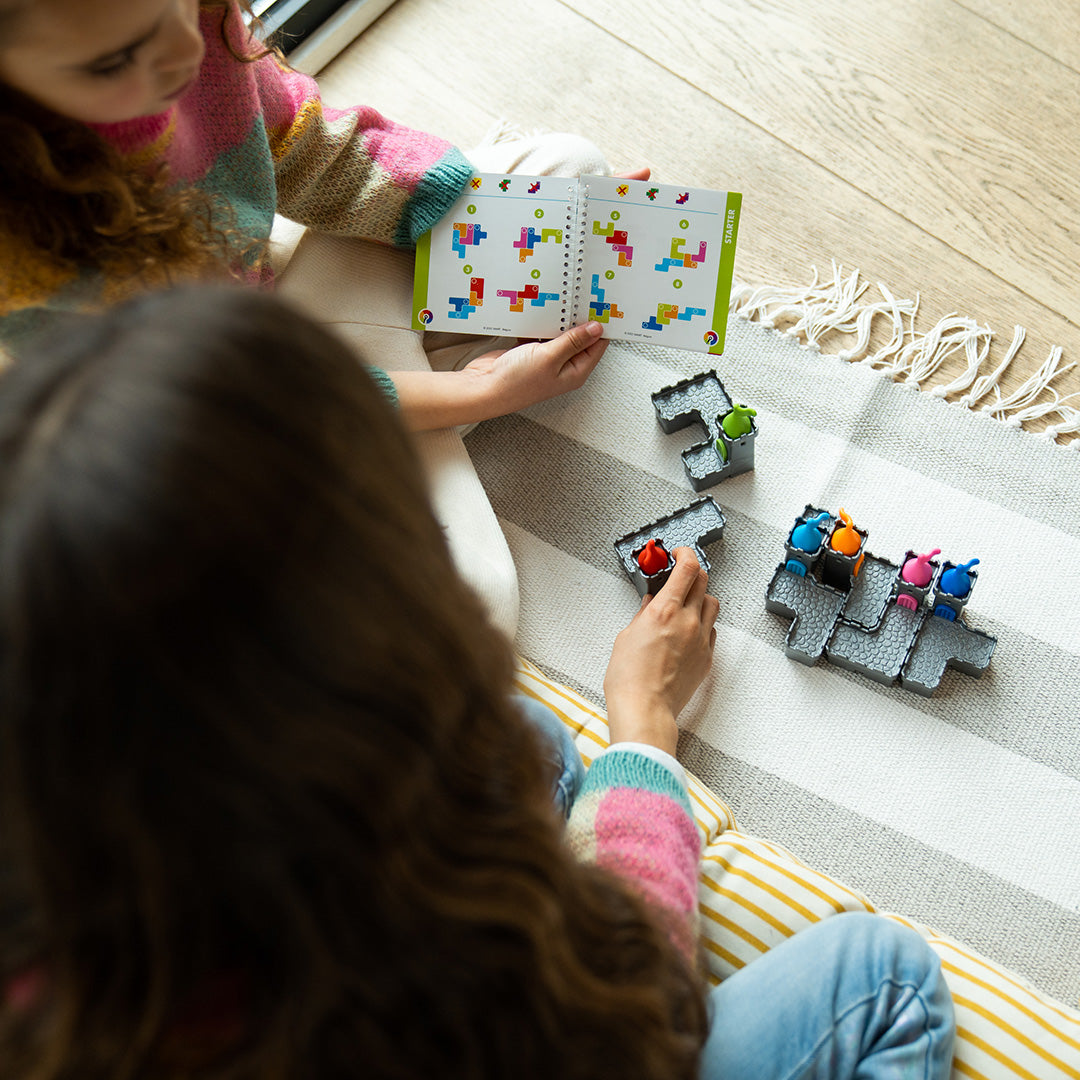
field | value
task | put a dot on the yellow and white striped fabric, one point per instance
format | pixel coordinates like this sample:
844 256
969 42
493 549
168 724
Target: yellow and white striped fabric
753 895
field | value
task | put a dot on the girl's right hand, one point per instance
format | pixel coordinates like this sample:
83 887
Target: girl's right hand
659 660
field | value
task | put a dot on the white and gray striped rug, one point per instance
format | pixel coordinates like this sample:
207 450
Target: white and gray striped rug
962 809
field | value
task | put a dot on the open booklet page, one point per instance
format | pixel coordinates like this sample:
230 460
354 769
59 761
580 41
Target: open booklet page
657 261
529 256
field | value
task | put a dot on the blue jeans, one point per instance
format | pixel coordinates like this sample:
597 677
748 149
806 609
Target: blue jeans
854 997
559 749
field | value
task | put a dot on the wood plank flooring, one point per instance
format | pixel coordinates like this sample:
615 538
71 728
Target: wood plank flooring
931 144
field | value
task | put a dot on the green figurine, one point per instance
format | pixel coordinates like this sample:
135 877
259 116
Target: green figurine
736 424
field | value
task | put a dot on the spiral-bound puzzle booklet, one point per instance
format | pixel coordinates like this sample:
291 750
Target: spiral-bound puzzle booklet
530 256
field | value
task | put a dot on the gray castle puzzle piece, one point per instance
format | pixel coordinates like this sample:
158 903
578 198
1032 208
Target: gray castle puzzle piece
864 629
812 607
694 526
871 593
878 653
703 400
945 644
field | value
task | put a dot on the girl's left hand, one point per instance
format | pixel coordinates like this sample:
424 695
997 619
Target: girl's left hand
537 370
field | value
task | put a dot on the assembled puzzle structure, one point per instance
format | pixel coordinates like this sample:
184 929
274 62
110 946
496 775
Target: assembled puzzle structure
646 554
891 623
729 448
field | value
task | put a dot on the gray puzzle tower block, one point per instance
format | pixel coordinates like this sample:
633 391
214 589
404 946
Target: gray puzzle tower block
917 593
703 400
945 644
879 653
854 620
812 607
694 526
871 593
955 604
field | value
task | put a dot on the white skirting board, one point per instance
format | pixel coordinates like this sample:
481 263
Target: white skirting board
336 34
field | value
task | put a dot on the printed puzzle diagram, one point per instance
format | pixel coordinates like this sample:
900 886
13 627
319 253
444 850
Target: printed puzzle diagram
463 306
531 293
530 238
888 622
466 235
617 238
600 309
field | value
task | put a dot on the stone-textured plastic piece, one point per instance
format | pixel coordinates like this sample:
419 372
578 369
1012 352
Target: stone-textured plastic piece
703 400
694 526
862 628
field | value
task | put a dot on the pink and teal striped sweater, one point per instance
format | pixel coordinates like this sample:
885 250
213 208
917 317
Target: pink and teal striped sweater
632 816
257 135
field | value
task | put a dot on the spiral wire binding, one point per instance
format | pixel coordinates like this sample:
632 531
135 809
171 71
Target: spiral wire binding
578 210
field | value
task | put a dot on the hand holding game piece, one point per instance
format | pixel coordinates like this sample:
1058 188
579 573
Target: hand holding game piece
659 660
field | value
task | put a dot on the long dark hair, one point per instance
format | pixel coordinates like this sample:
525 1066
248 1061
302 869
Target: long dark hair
264 801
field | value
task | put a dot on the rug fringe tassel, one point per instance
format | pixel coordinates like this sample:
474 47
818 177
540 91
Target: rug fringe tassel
912 357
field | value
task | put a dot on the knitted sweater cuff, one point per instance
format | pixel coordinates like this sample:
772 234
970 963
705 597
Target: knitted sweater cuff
384 383
432 196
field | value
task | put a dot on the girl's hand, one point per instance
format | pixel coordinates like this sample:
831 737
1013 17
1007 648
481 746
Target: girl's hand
534 371
659 660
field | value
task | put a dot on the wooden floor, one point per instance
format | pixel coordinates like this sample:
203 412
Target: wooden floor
932 143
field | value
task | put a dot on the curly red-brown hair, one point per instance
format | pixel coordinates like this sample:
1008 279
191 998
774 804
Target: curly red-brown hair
68 200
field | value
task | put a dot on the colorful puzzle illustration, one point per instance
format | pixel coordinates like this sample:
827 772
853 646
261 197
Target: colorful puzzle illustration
617 239
599 308
466 234
530 238
651 194
534 187
462 306
532 293
681 200
645 555
666 312
729 448
504 185
891 623
680 258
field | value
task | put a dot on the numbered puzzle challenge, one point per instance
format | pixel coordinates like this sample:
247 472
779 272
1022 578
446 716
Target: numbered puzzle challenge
530 256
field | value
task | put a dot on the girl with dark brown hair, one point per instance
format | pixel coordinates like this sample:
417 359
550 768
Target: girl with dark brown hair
267 806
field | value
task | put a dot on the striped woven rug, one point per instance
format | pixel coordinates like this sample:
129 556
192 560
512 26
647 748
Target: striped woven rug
961 809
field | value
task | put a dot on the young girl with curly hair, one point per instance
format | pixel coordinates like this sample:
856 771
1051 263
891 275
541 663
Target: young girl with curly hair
268 808
150 142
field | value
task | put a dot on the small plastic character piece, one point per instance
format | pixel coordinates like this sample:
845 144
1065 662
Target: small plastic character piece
845 539
737 422
917 572
804 544
809 535
954 588
956 580
735 425
653 558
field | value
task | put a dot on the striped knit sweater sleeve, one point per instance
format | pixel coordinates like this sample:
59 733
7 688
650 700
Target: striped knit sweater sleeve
632 816
351 171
